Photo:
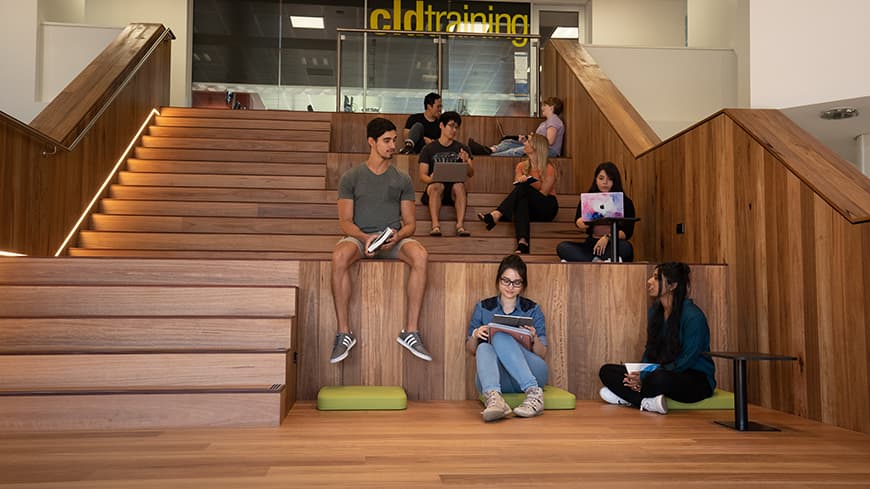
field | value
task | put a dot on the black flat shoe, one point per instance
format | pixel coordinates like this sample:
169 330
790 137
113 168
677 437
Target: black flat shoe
478 149
487 218
522 249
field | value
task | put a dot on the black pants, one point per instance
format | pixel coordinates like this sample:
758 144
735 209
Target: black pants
525 204
571 251
688 386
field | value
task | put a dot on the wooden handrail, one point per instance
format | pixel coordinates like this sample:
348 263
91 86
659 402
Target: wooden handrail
52 167
634 131
68 117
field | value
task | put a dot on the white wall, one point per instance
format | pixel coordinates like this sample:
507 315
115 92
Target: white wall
18 48
66 50
67 11
863 146
805 52
653 23
671 88
174 14
722 24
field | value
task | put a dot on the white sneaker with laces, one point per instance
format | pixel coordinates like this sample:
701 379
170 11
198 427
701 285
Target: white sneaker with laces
610 398
656 404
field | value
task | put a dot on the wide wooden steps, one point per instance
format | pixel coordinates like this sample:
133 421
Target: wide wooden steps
127 343
208 183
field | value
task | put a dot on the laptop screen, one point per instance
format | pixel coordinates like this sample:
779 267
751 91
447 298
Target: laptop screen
602 205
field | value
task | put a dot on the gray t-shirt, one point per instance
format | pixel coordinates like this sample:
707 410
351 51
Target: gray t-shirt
377 199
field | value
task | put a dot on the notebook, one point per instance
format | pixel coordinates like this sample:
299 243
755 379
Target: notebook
450 172
512 325
602 205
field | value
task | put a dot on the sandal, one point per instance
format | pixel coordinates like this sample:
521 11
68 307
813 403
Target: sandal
487 218
461 232
436 231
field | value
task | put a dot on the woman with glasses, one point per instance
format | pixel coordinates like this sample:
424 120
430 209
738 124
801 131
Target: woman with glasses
551 128
503 364
533 197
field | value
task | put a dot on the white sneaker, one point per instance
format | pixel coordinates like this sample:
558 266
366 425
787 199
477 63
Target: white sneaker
656 404
609 397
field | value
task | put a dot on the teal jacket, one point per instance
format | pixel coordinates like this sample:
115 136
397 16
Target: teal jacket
694 339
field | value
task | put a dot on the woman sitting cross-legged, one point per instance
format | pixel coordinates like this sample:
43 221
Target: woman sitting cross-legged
503 364
533 197
597 245
677 335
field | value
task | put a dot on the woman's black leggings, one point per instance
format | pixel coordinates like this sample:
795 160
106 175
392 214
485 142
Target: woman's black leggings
688 386
526 204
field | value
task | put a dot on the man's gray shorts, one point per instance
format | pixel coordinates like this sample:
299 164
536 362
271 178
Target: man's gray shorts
390 254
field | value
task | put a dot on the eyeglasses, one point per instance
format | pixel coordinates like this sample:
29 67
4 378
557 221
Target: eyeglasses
511 283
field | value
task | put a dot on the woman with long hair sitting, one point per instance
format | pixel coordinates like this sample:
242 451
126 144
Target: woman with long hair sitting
533 197
597 243
677 335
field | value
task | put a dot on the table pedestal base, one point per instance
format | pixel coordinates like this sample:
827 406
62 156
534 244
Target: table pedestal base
750 426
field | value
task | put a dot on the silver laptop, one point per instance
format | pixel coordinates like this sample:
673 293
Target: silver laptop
450 172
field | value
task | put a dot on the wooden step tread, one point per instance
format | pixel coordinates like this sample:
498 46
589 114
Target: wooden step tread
307 157
219 181
236 123
52 413
225 167
141 370
280 242
238 133
134 271
277 225
252 145
286 115
271 209
42 301
297 255
125 335
490 200
157 389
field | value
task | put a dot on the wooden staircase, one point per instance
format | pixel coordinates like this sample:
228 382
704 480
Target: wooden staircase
209 183
131 343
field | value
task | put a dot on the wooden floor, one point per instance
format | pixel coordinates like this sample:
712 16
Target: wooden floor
444 443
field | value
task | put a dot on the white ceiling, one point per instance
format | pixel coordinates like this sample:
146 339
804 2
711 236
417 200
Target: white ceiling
839 135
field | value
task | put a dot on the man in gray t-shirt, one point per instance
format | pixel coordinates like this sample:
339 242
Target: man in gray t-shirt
372 197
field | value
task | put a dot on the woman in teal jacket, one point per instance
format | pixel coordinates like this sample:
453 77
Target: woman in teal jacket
677 335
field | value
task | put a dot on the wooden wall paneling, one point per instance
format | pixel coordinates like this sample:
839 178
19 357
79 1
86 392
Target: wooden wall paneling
811 358
552 288
378 357
439 330
605 326
710 292
317 329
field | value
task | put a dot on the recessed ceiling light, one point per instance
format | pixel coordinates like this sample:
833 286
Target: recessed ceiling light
839 113
302 22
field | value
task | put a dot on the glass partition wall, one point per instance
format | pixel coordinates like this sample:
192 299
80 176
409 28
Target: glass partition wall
391 72
282 54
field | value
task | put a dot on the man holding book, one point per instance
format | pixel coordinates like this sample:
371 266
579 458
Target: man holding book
372 197
508 360
445 150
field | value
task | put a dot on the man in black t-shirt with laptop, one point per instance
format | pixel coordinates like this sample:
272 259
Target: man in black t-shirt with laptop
445 150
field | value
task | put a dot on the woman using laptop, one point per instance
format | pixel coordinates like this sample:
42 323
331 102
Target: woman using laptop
597 244
552 128
676 336
503 365
533 197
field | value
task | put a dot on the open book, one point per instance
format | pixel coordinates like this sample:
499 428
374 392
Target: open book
382 238
512 325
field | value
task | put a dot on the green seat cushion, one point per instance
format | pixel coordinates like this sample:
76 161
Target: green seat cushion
361 398
720 400
554 398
